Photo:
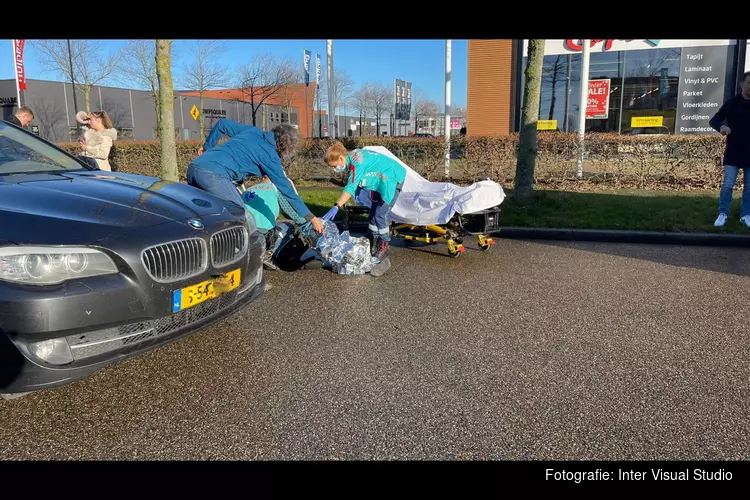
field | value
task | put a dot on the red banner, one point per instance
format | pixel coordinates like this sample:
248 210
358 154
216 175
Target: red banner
597 106
18 56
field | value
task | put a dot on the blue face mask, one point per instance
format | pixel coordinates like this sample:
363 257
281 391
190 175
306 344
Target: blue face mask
339 170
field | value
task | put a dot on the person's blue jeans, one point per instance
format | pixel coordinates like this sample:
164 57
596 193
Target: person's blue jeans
380 211
725 195
216 184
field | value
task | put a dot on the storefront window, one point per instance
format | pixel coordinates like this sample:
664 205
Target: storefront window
651 84
561 78
560 82
651 91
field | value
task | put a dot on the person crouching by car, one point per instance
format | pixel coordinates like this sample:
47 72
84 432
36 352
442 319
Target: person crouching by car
375 180
265 204
98 137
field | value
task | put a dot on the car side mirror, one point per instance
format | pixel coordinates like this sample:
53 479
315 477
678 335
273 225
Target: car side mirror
89 161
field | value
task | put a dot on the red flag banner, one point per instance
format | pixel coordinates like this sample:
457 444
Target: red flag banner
18 54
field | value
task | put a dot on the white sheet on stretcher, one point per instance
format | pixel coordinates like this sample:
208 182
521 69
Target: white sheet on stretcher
422 202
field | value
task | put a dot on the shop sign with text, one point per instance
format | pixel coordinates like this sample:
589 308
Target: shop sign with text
597 106
577 45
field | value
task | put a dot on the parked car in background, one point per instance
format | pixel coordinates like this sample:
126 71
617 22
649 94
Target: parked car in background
96 267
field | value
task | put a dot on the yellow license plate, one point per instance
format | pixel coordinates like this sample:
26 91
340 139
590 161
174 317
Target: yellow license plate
191 296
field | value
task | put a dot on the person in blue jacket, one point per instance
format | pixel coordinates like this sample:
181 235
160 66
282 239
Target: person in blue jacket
249 152
733 121
375 180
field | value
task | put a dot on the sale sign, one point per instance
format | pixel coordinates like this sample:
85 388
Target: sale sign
597 106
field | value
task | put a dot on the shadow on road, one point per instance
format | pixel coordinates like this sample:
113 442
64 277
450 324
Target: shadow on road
715 259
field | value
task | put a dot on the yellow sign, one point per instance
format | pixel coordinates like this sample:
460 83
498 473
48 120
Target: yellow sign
646 121
194 112
546 125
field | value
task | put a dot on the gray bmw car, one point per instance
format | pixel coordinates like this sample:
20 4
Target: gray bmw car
96 267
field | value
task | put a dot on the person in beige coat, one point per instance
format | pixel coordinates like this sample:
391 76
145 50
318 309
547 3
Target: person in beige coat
98 137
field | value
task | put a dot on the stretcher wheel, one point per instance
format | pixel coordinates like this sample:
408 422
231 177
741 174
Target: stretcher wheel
484 242
455 248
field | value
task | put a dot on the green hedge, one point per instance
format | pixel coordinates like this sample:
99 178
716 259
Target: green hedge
656 162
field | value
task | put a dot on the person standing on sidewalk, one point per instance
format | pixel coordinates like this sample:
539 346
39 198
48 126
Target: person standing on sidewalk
733 121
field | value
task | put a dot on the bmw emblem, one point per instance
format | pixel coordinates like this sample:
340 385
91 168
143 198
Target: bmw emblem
195 224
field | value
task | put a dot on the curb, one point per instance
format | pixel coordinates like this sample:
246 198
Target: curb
620 236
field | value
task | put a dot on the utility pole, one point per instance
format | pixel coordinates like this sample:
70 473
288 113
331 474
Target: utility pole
331 93
447 108
586 56
73 83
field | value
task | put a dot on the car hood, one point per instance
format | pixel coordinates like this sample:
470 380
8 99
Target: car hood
101 203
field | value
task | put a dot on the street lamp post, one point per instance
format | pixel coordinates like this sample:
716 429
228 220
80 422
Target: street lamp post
583 104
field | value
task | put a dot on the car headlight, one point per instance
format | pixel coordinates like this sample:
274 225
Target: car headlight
251 225
38 265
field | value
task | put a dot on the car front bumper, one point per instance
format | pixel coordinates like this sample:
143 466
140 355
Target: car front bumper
107 319
20 373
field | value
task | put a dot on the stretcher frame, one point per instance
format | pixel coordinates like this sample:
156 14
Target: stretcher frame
478 224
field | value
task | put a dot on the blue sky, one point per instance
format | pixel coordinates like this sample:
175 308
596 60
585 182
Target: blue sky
419 61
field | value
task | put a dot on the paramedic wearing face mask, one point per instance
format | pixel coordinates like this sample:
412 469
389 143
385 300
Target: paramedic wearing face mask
375 180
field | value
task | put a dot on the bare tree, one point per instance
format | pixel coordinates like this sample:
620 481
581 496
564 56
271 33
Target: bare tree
202 72
50 115
137 68
343 88
382 103
527 141
423 107
166 106
118 112
364 102
457 111
264 77
90 65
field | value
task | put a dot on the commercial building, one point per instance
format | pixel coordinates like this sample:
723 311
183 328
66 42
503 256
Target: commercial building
134 114
133 111
653 86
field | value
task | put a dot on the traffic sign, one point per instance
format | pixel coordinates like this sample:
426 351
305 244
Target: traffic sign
194 112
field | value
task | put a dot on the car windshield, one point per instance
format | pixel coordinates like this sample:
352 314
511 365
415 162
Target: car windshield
23 153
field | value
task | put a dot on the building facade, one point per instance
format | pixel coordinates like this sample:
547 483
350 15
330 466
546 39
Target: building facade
492 87
132 111
635 86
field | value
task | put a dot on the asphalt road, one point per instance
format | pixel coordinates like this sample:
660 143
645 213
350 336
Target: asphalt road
535 350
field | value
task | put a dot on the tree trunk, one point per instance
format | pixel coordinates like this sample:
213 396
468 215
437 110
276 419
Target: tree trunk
361 123
166 107
527 141
252 107
86 97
